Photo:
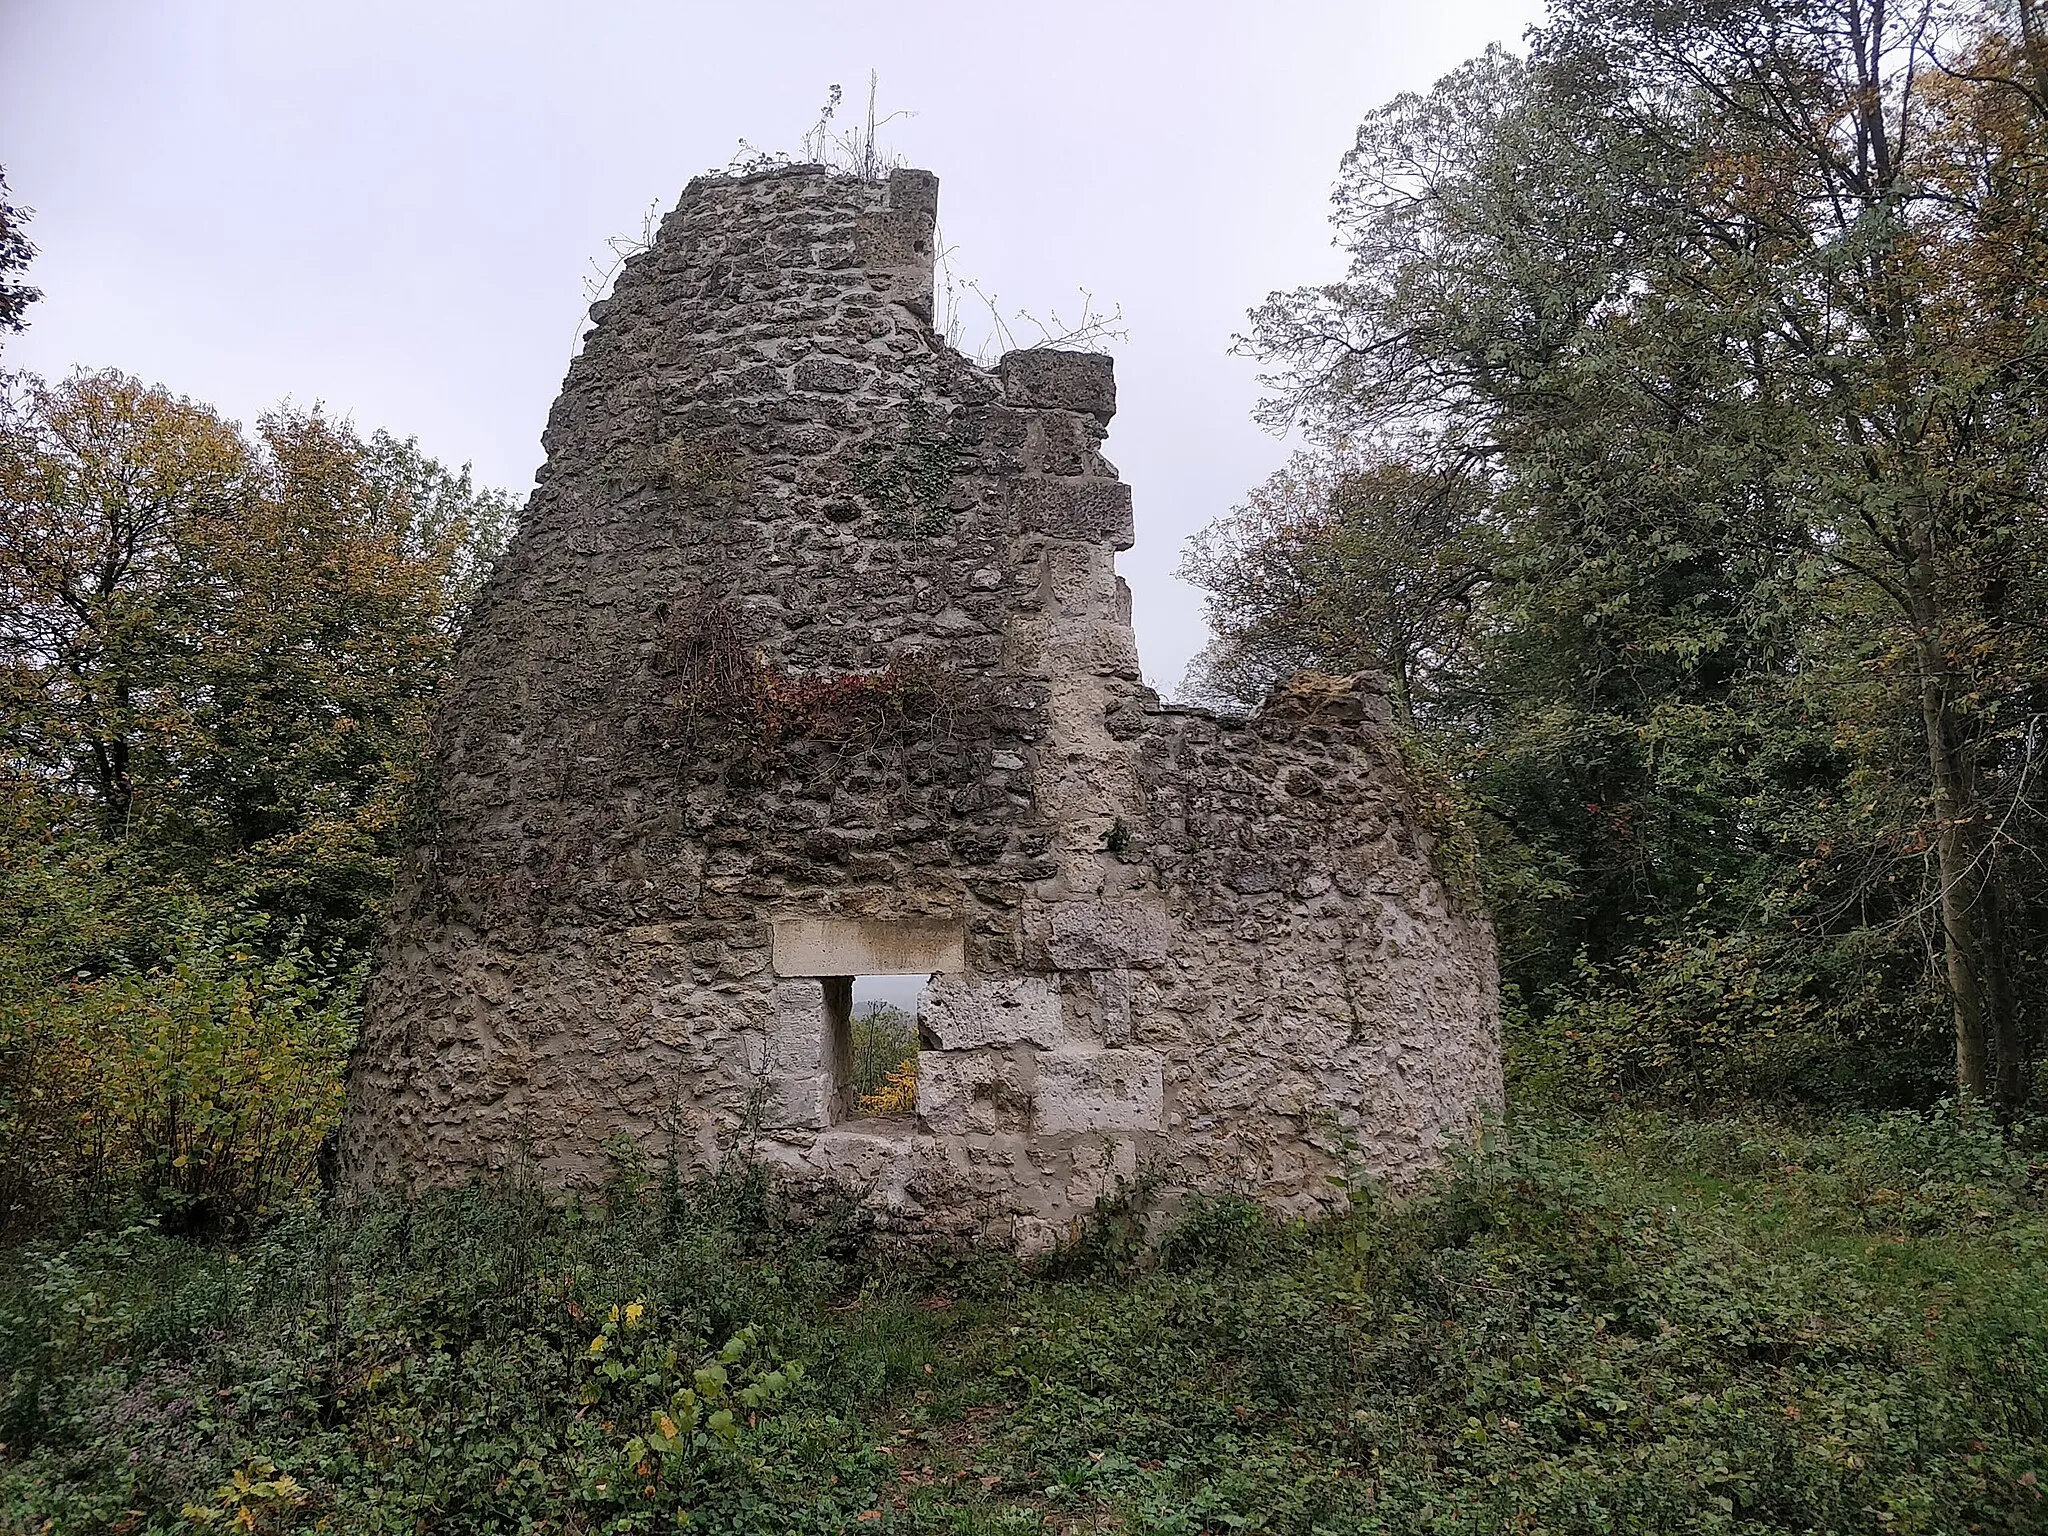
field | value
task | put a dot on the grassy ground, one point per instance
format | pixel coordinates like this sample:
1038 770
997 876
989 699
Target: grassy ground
1637 1325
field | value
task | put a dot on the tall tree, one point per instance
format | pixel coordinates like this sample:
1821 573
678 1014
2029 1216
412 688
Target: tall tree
1738 306
15 255
220 649
217 649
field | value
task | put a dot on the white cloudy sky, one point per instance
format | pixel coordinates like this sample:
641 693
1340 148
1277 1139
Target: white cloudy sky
390 206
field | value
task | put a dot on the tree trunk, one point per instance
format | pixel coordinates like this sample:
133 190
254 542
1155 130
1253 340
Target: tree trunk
1955 868
2008 1049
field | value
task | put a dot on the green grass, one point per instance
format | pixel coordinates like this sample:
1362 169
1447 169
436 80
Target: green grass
1635 1324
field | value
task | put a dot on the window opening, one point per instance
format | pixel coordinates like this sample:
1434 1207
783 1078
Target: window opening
878 1062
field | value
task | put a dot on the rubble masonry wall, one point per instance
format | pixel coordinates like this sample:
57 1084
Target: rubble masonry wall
810 659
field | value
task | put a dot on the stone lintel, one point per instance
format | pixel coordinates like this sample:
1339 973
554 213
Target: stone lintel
863 946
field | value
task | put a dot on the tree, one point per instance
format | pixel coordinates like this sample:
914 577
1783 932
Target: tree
103 486
221 650
218 649
15 255
1736 308
1344 564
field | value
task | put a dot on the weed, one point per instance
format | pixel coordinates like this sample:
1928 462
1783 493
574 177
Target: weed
1636 1323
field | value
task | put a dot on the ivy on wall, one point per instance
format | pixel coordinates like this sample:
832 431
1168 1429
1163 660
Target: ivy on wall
907 476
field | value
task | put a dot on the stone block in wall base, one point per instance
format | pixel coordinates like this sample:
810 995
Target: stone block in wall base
1088 1088
1097 1171
1048 379
985 1092
1096 511
1034 1235
879 1165
1105 935
797 1101
962 1012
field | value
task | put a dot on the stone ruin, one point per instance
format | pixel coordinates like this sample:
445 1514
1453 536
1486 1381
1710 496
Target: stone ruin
810 662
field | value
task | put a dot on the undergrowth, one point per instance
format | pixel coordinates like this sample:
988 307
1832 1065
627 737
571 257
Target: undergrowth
1632 1324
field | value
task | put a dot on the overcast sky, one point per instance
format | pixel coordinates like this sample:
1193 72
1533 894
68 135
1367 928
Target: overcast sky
392 208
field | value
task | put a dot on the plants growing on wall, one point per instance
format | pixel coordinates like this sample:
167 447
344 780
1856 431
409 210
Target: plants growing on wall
905 471
728 696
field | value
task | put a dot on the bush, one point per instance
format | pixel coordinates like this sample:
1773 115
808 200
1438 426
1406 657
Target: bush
203 1085
1637 1323
1712 1020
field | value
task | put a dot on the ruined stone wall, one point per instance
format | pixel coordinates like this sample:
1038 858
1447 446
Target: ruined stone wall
810 660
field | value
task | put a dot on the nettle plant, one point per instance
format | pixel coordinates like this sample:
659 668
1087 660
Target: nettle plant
681 1415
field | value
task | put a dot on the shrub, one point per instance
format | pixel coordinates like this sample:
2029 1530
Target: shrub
204 1084
1636 1324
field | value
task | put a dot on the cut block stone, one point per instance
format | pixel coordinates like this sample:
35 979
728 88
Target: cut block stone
1096 511
965 1092
962 1012
1112 991
853 946
796 1032
1094 1089
1049 379
880 1164
895 243
1106 935
798 1102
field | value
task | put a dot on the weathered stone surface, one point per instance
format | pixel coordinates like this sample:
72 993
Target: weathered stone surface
1061 381
973 1092
1086 511
1090 1088
1084 935
840 946
957 1013
810 661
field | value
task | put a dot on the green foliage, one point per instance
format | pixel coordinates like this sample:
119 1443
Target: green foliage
1638 1323
905 472
476 1360
1442 809
217 652
15 253
1674 445
686 1428
1705 1018
1343 562
205 1082
883 1080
